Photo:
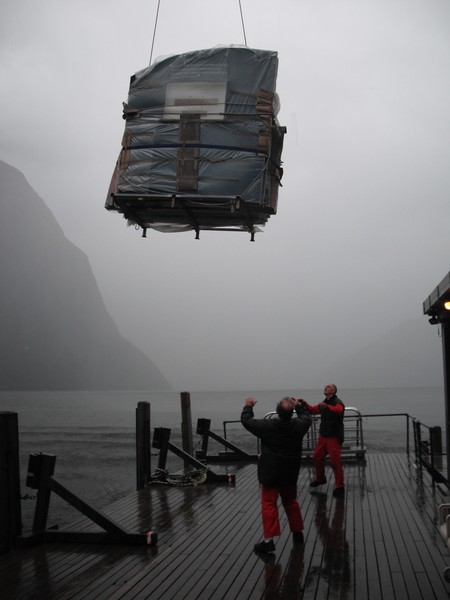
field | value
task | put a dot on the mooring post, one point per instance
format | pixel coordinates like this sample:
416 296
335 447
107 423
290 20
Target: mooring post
161 438
143 460
203 427
186 423
10 509
40 468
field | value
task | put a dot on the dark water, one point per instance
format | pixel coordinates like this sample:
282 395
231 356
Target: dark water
92 433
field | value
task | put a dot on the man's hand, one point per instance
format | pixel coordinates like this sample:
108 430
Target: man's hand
250 402
297 401
322 405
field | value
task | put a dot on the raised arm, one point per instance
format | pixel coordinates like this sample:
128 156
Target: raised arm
338 409
255 426
304 418
313 410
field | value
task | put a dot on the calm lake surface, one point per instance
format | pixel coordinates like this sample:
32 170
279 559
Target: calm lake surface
92 433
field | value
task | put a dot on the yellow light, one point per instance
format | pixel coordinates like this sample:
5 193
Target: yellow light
447 305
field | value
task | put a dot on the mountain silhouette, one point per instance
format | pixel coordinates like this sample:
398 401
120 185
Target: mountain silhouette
408 355
56 333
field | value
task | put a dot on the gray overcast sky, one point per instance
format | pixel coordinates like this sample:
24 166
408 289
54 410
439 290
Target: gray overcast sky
363 229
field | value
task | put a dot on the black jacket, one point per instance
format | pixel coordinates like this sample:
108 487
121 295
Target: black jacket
332 423
281 445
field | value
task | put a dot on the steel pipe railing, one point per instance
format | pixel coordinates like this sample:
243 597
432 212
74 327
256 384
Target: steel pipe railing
426 451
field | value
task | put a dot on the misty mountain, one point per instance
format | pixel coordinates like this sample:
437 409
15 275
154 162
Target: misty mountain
56 332
409 355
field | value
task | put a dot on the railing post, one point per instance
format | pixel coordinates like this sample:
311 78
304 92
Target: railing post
432 450
436 438
407 434
40 468
10 509
445 332
361 433
416 442
143 460
436 442
186 423
418 445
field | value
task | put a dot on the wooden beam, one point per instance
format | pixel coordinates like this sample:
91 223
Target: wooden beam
229 445
193 462
86 509
203 428
161 441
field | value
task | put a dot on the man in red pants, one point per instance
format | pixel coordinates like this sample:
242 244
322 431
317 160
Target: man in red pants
331 437
279 465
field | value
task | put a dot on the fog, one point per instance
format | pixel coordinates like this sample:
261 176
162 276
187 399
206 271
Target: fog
363 226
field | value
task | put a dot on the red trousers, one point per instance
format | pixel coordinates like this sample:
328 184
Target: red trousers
269 498
332 447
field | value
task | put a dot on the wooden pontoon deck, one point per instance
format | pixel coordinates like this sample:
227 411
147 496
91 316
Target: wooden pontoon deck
379 542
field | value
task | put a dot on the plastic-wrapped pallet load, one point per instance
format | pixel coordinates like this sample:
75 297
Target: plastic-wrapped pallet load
202 145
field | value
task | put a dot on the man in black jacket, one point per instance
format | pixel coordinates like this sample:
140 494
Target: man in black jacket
279 465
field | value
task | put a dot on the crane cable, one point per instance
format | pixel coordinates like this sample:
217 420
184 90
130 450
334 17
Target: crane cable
154 32
156 24
243 25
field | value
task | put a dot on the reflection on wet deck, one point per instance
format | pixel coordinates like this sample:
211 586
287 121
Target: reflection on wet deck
378 542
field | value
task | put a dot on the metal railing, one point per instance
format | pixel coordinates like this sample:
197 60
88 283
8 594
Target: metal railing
428 452
407 416
354 434
353 445
427 440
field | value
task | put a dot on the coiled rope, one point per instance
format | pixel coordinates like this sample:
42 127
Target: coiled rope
194 477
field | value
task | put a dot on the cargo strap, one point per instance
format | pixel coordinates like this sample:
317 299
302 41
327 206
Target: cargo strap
187 155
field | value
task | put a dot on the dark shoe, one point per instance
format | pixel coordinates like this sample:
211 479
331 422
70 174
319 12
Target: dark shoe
265 547
316 483
297 537
340 491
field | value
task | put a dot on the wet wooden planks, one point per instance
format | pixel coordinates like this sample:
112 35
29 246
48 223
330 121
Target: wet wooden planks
378 542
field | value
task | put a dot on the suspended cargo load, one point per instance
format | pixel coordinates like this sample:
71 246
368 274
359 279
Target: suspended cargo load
202 144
